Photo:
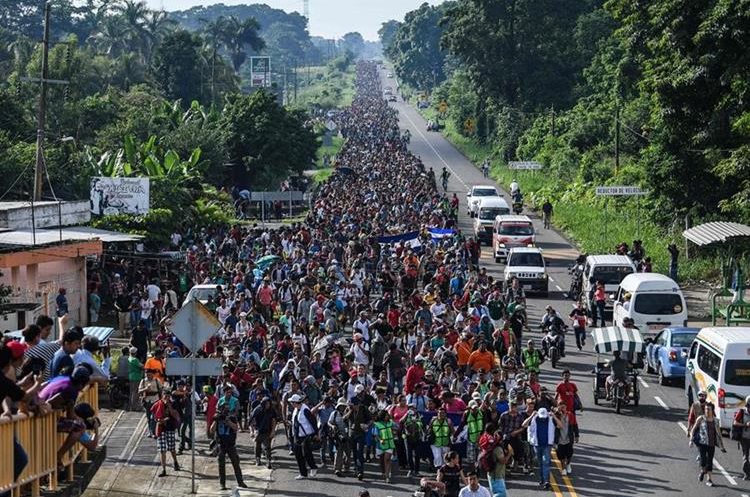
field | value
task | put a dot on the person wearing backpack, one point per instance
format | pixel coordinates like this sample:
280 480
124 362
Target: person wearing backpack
413 433
473 419
741 433
501 455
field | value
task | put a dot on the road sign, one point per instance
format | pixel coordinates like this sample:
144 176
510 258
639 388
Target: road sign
443 107
193 324
619 191
260 71
183 366
469 126
530 165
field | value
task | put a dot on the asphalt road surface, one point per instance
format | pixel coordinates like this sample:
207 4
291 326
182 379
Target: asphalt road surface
641 452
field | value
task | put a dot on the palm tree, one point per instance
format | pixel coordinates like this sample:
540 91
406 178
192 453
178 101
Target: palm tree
239 34
213 31
134 14
111 37
156 24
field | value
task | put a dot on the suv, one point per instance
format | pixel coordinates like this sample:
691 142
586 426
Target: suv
488 209
528 266
476 194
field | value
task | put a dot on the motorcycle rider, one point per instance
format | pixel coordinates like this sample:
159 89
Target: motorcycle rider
515 189
619 368
555 328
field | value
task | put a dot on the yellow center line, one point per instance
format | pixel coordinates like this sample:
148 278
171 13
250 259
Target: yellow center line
555 487
566 479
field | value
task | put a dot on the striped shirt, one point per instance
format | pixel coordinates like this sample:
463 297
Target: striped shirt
44 351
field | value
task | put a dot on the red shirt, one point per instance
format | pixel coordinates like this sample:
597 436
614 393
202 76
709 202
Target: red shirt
414 375
567 393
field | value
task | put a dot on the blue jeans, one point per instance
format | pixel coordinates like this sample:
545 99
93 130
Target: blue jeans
544 456
600 304
497 487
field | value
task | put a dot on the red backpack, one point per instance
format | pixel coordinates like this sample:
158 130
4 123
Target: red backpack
487 444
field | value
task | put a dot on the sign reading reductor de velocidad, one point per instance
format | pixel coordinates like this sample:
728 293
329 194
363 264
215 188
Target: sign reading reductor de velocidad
619 190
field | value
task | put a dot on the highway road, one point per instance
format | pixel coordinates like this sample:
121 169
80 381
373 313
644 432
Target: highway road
643 451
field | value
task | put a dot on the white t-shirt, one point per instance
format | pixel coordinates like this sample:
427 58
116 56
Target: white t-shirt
153 292
480 492
176 238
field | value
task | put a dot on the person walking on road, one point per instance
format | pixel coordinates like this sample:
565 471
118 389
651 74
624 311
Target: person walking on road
167 420
547 213
473 489
706 434
742 421
225 427
486 167
304 429
541 436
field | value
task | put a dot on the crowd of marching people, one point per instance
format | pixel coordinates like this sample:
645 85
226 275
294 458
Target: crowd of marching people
368 332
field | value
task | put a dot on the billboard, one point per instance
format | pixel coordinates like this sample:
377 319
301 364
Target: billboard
260 71
119 195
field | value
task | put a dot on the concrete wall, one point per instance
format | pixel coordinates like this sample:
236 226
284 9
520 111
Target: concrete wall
41 282
17 215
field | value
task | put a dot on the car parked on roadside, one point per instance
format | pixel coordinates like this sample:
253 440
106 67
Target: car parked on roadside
666 354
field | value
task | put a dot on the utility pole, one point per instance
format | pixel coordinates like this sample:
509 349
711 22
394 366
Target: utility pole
41 116
553 120
295 82
617 138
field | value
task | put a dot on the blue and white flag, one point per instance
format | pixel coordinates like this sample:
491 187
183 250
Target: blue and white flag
440 233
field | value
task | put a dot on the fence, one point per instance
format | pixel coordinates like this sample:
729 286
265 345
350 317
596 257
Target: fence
40 440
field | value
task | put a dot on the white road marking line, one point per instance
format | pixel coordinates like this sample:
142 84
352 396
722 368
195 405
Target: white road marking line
558 288
416 128
661 402
643 383
744 495
716 463
725 473
551 279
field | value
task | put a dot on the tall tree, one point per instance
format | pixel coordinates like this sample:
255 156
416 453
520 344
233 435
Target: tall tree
177 66
387 32
353 42
237 36
415 48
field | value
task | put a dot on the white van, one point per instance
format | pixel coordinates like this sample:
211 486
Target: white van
511 231
656 302
610 269
718 362
488 209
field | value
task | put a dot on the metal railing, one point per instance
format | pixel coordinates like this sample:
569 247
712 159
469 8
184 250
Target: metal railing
40 440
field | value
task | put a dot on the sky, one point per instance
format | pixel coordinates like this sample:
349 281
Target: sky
328 18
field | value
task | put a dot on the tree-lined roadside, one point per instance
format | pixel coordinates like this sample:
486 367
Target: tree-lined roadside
601 93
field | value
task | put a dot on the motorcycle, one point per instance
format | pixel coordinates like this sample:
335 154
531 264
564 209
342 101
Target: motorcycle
517 208
553 343
119 392
576 282
620 395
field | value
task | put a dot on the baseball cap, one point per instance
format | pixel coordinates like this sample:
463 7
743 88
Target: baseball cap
16 349
295 398
359 388
542 413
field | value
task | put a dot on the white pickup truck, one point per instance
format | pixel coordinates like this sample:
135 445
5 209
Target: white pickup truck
476 194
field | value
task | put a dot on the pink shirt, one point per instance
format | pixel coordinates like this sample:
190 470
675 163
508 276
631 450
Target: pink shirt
455 406
265 295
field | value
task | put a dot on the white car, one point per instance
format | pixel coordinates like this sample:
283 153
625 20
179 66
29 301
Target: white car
201 293
488 210
528 266
476 194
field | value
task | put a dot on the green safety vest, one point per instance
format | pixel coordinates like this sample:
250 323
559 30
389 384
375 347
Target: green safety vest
385 434
531 360
475 423
442 433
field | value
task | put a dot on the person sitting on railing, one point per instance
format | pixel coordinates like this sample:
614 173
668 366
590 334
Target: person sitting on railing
11 356
61 392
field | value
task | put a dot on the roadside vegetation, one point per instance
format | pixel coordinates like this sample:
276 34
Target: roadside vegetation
600 93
